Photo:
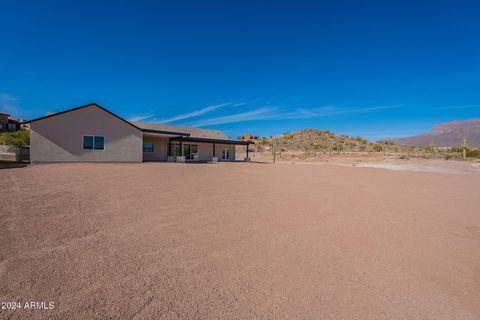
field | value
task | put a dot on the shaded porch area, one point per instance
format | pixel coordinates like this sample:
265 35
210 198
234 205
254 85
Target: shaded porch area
187 148
178 147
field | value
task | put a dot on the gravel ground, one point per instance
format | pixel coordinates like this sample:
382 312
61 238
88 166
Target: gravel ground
239 241
441 166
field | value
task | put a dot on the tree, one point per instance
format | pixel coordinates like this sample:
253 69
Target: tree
20 138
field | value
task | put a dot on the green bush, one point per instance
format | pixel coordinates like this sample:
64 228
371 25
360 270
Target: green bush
19 138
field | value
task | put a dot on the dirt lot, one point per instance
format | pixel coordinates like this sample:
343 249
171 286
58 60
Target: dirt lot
239 241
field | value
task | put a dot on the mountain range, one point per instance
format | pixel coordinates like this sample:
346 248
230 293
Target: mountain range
447 134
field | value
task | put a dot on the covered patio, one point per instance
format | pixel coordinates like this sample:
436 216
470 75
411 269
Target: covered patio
181 147
184 148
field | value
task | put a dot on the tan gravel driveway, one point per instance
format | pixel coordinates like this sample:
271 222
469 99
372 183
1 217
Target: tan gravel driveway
239 241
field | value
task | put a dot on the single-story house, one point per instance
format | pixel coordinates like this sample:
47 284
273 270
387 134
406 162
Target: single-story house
91 133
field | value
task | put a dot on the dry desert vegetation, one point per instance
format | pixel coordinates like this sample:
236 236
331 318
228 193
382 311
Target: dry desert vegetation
239 241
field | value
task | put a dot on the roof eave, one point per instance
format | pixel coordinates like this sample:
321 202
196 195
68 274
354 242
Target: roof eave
166 132
208 140
93 104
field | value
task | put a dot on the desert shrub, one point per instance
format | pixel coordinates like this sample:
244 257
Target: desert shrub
388 143
338 147
473 153
19 138
430 149
456 149
470 153
377 147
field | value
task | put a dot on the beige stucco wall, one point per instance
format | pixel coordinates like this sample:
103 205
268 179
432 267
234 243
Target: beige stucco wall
159 149
205 150
60 138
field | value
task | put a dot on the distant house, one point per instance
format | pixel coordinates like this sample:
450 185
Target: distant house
8 123
247 137
91 133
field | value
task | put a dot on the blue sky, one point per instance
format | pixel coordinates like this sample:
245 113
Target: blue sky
365 68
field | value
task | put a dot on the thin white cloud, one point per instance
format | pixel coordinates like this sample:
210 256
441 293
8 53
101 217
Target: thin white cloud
141 117
238 104
151 116
318 112
196 113
9 104
333 110
466 106
263 113
276 113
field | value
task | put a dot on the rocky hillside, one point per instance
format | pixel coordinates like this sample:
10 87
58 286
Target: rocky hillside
324 141
446 135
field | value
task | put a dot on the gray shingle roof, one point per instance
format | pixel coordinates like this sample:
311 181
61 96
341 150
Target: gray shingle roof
194 132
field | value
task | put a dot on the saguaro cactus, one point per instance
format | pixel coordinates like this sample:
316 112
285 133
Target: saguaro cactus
464 145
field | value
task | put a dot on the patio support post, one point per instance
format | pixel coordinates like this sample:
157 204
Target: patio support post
247 150
214 156
169 151
181 157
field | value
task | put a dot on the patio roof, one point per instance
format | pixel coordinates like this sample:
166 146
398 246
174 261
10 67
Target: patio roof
219 141
167 133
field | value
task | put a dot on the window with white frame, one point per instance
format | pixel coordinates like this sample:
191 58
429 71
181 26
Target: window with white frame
94 142
147 147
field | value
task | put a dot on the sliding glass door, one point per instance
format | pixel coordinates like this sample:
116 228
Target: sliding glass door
190 151
175 149
186 151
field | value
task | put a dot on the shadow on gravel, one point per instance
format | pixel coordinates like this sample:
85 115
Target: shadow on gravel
12 165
